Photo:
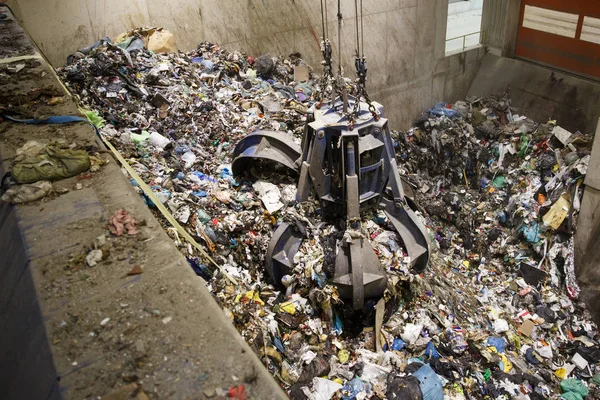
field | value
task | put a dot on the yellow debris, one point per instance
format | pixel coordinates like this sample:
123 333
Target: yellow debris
288 307
250 295
561 373
343 356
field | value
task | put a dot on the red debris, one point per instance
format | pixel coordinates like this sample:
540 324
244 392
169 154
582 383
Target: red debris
135 271
238 392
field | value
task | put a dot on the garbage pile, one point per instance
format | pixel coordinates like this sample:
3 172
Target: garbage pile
495 316
501 195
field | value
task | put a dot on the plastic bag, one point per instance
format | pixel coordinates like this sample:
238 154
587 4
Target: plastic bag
440 109
403 388
431 384
28 192
323 389
497 342
353 388
574 386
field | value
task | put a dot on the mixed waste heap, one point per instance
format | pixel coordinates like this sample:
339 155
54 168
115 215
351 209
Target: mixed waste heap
495 315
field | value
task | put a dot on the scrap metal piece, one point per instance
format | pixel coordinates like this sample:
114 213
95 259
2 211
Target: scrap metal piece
284 243
267 145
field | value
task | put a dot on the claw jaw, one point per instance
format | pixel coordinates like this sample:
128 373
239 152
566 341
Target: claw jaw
358 273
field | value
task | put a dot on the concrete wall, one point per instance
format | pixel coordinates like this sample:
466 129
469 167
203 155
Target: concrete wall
541 93
26 364
404 39
27 367
500 20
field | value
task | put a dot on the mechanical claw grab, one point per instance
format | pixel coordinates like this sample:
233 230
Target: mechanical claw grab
350 165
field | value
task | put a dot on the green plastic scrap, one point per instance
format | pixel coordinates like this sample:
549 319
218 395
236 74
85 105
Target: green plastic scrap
499 182
139 137
51 165
478 118
94 117
596 379
125 42
487 374
203 216
573 387
524 145
571 396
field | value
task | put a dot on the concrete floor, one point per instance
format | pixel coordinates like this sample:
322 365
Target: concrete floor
460 24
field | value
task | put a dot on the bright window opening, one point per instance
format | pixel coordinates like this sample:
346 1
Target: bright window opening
463 31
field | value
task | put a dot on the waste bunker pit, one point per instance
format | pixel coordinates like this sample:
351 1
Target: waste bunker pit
357 261
475 170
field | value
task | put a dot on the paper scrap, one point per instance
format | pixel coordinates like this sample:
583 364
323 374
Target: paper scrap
557 213
527 327
562 135
269 195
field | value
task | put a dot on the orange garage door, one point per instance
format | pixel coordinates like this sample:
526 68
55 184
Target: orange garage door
561 33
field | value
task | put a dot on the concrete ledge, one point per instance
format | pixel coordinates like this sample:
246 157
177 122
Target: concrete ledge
166 332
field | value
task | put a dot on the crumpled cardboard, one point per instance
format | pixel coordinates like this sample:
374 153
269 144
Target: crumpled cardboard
557 213
162 42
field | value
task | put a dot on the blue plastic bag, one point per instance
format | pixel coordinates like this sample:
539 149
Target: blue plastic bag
398 344
200 269
337 324
352 388
440 109
203 177
199 193
278 345
498 342
431 351
531 232
431 384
